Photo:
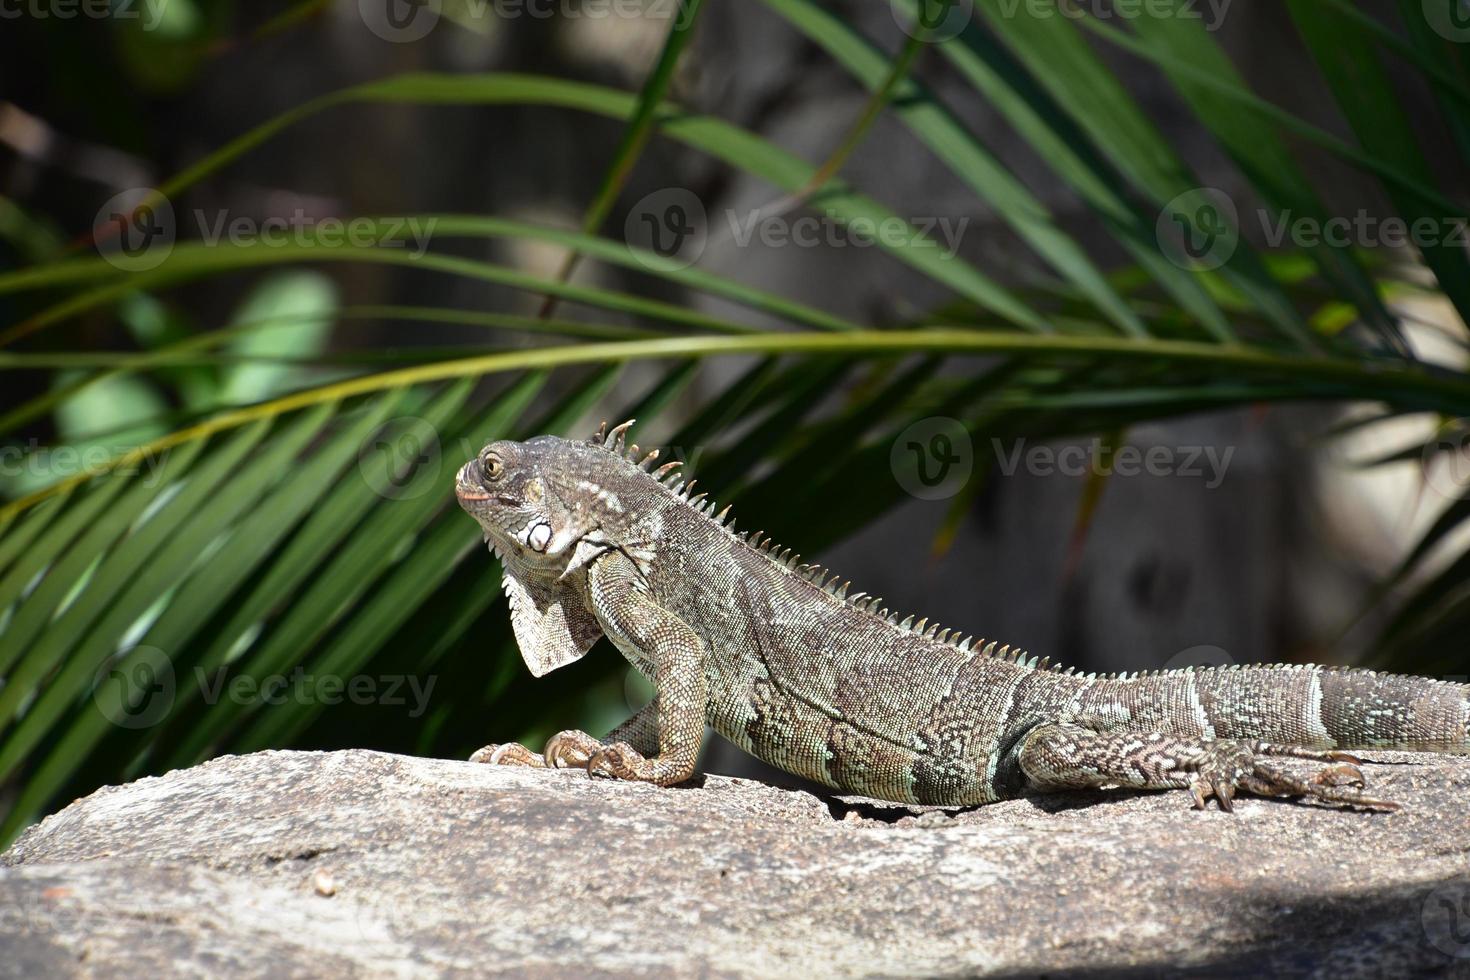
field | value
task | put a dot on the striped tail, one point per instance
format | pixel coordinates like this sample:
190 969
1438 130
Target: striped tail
1312 706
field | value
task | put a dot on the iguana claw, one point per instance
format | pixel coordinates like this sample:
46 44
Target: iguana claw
509 754
618 761
1229 765
570 749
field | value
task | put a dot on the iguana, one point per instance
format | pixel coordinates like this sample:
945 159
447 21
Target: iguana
781 659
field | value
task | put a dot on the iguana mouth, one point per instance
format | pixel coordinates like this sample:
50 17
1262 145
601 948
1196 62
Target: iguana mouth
462 486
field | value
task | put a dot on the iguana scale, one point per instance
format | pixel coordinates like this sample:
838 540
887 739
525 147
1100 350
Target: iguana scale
781 659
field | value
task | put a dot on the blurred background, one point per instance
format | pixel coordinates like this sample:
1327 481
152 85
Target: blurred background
1202 431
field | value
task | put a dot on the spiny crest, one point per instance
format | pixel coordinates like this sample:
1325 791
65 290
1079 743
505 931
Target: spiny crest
613 441
667 474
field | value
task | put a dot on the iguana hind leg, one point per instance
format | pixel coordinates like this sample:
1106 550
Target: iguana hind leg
1066 755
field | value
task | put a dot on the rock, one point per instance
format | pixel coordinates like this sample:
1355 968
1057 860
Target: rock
364 864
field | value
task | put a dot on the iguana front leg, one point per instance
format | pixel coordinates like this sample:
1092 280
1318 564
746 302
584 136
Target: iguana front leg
1071 755
670 728
655 637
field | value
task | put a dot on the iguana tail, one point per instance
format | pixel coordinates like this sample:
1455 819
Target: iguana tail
1318 707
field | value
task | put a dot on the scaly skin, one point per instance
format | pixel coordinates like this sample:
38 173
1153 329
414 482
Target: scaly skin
777 657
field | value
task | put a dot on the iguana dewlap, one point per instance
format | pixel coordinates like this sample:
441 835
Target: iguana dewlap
780 659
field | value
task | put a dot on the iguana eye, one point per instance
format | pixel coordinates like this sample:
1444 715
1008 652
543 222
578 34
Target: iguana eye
491 466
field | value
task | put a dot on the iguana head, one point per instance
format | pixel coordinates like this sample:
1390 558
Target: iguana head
548 506
539 500
517 492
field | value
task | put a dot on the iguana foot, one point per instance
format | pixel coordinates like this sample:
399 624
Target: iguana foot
1067 755
1228 765
621 761
509 754
564 750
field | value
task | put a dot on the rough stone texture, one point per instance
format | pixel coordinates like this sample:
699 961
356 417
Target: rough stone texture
365 864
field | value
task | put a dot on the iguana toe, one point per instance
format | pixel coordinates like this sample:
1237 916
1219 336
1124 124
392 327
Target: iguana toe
509 754
617 761
570 749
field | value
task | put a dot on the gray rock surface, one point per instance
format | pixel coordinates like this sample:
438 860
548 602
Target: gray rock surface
364 864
